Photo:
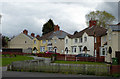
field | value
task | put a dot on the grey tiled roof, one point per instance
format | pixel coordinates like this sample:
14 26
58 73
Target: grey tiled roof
60 34
115 27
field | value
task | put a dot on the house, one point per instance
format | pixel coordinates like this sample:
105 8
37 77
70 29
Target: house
113 42
22 41
52 41
88 40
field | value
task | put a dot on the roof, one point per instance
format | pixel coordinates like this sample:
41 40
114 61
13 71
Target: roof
60 34
24 34
115 27
99 31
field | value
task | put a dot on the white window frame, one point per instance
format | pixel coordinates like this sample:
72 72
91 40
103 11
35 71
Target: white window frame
85 39
43 41
80 40
73 49
66 41
95 53
95 39
75 40
42 49
34 41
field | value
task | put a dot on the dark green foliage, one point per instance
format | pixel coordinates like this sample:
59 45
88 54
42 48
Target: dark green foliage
103 18
48 27
75 32
5 41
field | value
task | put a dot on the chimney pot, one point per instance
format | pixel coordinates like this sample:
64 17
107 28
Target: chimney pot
25 32
32 34
92 23
37 36
56 28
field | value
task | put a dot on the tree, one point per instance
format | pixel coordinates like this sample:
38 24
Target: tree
75 32
103 18
5 41
48 27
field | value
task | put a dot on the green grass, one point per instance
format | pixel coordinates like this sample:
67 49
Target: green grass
79 62
6 61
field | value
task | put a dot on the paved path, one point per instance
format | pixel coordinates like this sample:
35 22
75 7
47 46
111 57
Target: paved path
41 74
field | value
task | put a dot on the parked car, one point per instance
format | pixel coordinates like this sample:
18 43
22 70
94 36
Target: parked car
51 52
83 55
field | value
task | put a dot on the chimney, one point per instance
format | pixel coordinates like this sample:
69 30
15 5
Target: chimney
25 32
37 36
32 34
92 23
56 28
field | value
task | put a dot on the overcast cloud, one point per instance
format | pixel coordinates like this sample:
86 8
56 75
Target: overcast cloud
70 16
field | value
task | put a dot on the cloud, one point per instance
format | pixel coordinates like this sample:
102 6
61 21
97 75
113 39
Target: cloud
70 16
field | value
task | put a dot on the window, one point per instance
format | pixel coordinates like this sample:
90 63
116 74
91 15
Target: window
103 51
80 49
49 41
25 41
76 40
104 39
95 39
55 40
34 41
42 48
66 41
80 40
44 41
85 39
49 48
74 49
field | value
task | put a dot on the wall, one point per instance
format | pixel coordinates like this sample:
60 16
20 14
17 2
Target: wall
19 42
37 45
113 42
89 44
60 44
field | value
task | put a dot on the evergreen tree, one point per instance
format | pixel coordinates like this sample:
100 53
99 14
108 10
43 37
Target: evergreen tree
48 27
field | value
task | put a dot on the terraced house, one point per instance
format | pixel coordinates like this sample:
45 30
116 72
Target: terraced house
88 39
53 41
111 43
22 41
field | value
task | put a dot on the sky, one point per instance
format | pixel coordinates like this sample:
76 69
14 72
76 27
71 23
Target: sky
32 14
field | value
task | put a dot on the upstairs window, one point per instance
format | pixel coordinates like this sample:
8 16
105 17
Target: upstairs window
44 41
66 41
55 40
76 40
80 40
95 39
85 39
34 41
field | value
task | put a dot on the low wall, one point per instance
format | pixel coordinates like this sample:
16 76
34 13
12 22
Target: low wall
37 66
115 69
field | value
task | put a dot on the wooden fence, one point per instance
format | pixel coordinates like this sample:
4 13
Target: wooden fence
39 66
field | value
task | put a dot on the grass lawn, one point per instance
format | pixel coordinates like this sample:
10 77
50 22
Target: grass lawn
6 61
79 62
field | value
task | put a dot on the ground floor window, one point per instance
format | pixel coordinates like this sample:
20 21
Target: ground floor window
74 49
103 51
80 49
49 48
42 49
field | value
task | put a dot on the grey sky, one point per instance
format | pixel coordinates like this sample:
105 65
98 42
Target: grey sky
70 16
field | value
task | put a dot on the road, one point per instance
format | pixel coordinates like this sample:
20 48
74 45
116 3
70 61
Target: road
41 74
